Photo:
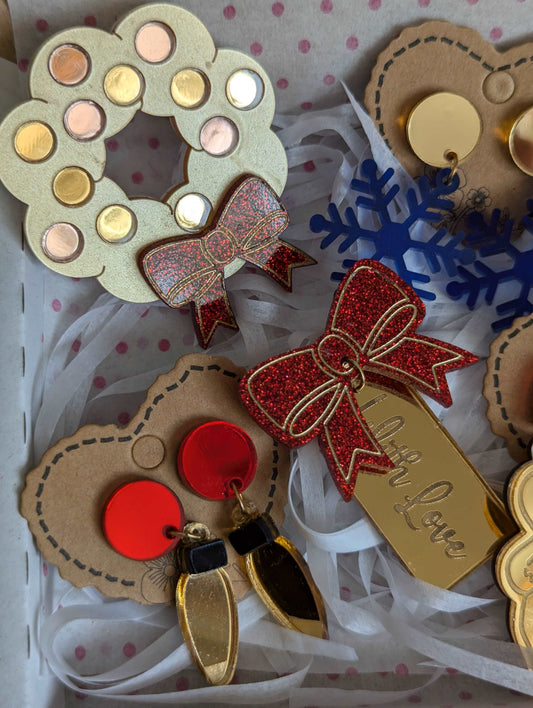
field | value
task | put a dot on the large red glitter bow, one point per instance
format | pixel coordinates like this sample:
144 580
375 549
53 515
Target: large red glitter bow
370 336
182 270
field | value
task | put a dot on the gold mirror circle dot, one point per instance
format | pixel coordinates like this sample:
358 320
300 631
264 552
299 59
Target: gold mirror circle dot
219 136
155 42
73 186
123 85
192 211
84 120
62 242
189 88
34 141
116 224
442 123
521 141
69 64
244 89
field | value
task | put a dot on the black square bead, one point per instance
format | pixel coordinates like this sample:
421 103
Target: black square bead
253 534
202 557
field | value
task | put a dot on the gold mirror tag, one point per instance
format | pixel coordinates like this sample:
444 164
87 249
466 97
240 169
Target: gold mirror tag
433 508
440 124
208 618
514 564
283 581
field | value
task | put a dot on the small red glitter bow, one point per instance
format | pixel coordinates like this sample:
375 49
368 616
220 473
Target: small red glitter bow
182 270
370 336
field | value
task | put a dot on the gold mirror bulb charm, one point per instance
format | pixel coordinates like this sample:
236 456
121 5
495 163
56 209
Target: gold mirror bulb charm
278 572
207 611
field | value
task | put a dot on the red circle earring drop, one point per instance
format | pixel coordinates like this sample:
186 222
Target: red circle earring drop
215 456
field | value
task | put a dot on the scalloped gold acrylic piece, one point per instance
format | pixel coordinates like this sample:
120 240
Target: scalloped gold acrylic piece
514 563
85 86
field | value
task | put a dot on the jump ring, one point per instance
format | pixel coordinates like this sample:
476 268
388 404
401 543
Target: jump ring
454 161
352 364
239 498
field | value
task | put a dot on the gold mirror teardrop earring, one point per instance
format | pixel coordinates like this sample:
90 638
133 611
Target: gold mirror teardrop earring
277 570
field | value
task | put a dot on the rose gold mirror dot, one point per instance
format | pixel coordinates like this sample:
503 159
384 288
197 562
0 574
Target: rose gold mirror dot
84 120
62 242
68 64
154 42
219 136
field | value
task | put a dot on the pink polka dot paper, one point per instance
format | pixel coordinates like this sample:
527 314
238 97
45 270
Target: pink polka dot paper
299 42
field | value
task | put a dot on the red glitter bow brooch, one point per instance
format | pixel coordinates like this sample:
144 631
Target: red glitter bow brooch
182 270
370 336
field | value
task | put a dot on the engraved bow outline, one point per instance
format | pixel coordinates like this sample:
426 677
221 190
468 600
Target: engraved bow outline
242 251
192 270
368 357
368 353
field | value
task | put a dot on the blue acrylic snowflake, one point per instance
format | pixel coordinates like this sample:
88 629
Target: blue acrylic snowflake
394 239
494 237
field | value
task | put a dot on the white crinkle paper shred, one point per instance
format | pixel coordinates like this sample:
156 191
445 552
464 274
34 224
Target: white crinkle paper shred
381 619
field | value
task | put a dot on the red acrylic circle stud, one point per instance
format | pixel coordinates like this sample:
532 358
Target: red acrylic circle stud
215 455
138 517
